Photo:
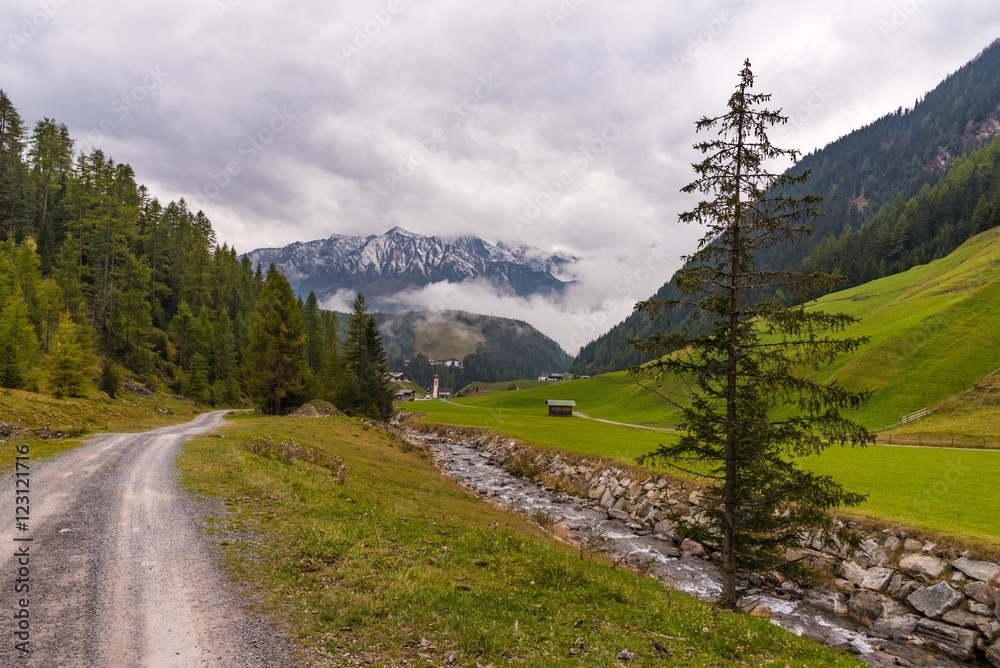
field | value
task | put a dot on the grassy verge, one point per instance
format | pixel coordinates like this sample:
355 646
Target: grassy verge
399 566
73 418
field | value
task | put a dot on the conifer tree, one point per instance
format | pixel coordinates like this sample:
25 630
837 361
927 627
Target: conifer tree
69 366
753 408
314 333
109 379
14 219
274 361
18 343
365 389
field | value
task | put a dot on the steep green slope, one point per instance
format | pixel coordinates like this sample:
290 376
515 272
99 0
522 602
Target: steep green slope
934 333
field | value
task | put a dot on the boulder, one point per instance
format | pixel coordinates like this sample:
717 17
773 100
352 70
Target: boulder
692 548
895 628
892 544
993 654
964 618
665 527
982 592
960 643
597 492
866 606
877 578
614 514
980 609
851 571
828 601
895 584
623 504
936 600
607 500
978 570
922 566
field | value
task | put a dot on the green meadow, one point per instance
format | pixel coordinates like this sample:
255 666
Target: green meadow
934 337
399 565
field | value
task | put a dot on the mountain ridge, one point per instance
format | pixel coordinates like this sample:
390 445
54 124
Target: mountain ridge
390 264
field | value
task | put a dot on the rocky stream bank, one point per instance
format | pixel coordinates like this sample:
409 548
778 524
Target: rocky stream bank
897 600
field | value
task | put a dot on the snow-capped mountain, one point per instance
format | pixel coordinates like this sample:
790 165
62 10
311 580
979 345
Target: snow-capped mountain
399 261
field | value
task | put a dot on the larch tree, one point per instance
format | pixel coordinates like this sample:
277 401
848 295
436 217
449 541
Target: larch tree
753 407
70 364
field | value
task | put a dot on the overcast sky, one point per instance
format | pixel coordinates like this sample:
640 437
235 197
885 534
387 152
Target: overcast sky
295 120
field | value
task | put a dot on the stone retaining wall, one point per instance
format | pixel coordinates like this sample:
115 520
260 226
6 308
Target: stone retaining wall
898 586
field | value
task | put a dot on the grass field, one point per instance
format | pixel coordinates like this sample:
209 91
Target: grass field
934 335
400 566
934 331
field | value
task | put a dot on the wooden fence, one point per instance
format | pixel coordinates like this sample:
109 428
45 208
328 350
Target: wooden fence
922 413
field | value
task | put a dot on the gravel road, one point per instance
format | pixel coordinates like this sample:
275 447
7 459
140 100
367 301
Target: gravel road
120 574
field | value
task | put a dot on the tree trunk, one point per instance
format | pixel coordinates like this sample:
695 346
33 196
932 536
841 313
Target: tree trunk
729 497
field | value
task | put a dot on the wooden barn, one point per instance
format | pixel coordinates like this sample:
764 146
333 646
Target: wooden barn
560 407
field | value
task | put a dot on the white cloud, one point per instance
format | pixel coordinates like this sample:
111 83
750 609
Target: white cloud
657 66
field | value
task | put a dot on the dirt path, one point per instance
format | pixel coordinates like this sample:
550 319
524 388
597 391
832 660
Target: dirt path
120 575
623 424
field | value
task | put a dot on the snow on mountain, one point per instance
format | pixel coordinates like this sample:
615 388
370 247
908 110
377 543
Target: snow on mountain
399 261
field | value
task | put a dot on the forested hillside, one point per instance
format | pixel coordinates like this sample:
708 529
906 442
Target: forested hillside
509 349
881 165
100 280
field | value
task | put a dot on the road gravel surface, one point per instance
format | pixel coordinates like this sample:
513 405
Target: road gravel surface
120 574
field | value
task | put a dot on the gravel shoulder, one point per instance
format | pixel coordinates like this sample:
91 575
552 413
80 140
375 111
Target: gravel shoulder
120 572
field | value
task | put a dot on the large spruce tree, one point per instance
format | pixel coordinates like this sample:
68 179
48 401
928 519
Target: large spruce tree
365 389
753 409
274 359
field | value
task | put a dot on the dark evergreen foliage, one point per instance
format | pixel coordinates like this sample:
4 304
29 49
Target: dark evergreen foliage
752 410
